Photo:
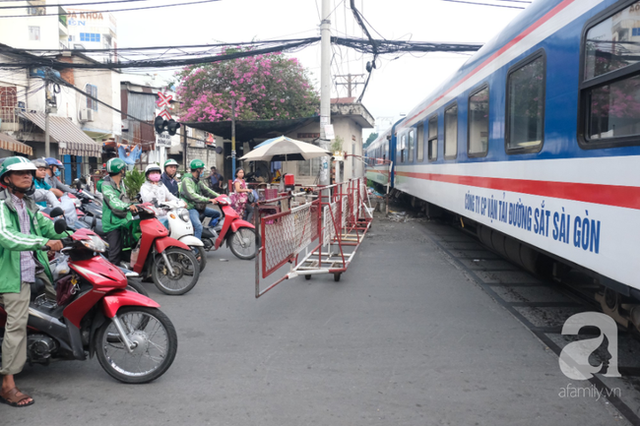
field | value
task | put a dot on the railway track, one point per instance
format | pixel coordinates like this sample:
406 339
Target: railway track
543 306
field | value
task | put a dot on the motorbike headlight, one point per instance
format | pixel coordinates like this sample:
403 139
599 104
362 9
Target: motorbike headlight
184 215
95 243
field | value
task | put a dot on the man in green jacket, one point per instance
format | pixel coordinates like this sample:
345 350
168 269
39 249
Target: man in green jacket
197 195
116 209
23 232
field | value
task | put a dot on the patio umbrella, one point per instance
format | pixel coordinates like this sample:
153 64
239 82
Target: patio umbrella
283 148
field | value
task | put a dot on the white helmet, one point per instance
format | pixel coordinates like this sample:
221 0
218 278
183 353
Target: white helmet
152 168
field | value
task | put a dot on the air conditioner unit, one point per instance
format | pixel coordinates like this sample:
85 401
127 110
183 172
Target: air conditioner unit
86 115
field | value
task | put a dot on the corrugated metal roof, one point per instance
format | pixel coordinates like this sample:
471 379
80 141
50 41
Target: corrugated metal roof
10 144
71 139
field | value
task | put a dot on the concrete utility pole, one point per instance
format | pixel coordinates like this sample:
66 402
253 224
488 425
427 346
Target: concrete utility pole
47 110
325 88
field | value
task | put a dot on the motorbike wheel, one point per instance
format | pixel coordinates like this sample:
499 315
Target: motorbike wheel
136 287
244 243
200 255
156 339
186 271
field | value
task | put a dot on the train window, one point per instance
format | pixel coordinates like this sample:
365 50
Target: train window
420 142
386 150
412 145
610 88
451 132
432 153
478 141
525 105
402 148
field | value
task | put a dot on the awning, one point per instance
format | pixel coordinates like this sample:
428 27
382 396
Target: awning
10 144
71 140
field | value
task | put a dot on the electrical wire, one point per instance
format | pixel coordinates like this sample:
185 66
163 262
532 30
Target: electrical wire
112 11
484 4
67 4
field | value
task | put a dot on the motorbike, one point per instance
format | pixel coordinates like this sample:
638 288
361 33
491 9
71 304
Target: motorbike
181 229
172 266
240 235
133 340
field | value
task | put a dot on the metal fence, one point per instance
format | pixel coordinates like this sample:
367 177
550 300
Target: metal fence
327 224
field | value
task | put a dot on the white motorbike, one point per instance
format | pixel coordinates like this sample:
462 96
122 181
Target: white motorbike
181 229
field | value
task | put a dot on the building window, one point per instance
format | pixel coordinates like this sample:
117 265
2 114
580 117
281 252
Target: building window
432 150
310 168
610 87
451 132
8 103
93 91
92 37
525 106
420 142
34 33
478 142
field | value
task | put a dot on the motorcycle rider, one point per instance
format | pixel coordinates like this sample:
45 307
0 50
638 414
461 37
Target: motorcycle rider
43 194
154 190
168 177
23 231
116 209
53 172
194 193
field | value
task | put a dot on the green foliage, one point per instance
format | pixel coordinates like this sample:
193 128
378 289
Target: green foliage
133 181
336 145
264 87
372 137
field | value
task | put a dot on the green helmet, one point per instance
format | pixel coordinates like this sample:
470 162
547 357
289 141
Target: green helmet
13 164
196 164
115 166
170 162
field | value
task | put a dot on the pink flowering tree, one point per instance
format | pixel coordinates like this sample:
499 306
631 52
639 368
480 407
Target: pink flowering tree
265 87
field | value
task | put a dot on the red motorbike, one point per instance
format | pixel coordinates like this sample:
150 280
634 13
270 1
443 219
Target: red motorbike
169 262
240 235
134 341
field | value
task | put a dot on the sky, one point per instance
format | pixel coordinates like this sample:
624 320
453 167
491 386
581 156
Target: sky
398 83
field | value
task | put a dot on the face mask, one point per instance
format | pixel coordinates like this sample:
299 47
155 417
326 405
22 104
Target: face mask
57 173
154 177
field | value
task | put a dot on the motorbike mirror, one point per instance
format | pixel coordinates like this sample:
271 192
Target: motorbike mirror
60 226
56 211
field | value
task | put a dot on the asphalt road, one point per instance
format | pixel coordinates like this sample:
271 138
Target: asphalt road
404 338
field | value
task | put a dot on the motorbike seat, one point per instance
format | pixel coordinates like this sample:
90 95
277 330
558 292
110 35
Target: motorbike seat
37 288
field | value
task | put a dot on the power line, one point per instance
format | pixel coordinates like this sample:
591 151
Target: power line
82 92
67 4
111 11
377 47
484 4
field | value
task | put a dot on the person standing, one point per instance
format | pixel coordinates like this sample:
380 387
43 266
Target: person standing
168 177
116 209
216 180
23 232
240 197
196 194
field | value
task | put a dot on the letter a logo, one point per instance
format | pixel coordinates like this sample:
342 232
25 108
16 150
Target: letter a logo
574 358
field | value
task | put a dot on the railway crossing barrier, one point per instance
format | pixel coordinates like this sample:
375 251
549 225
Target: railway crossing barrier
314 232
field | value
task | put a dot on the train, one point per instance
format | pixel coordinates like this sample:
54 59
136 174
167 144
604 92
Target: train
534 143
